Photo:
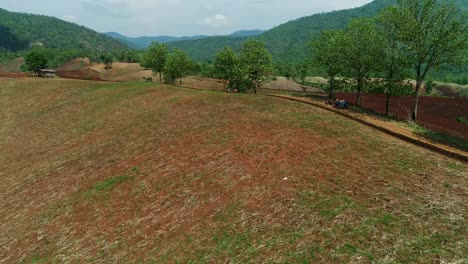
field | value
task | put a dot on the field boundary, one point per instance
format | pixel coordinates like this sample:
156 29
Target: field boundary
422 142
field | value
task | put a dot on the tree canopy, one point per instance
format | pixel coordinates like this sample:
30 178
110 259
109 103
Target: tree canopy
36 59
327 51
226 65
434 35
257 62
155 58
177 66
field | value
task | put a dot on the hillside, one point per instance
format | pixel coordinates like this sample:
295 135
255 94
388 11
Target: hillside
135 172
289 41
19 31
144 42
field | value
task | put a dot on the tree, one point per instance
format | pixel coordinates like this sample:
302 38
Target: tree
225 65
257 62
107 60
327 51
395 62
434 34
302 70
362 48
155 58
177 66
36 59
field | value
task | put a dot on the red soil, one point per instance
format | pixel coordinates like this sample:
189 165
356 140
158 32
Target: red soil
436 113
13 74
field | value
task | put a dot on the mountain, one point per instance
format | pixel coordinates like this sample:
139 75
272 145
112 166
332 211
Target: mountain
246 33
19 31
144 42
289 42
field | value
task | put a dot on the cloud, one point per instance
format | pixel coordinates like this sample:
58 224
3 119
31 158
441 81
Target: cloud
69 18
217 20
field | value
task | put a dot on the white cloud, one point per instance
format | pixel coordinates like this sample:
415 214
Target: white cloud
217 20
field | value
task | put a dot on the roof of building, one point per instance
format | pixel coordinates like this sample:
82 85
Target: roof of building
47 70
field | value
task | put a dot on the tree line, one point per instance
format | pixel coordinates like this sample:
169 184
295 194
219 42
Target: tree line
406 41
247 70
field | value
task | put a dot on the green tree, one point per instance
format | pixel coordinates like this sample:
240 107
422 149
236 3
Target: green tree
395 62
327 51
225 65
36 59
155 58
257 62
302 70
435 35
177 66
107 60
362 47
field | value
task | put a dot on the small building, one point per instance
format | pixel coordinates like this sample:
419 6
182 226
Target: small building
46 73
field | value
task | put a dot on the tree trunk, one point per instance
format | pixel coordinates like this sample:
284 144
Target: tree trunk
419 80
160 78
180 81
414 114
332 87
387 106
359 88
224 84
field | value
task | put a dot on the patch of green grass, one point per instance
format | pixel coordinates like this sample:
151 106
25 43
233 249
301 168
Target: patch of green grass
327 207
110 183
427 246
439 137
98 190
462 120
351 250
227 214
39 260
305 255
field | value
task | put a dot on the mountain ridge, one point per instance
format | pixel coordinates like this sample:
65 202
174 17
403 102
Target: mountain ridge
289 41
144 41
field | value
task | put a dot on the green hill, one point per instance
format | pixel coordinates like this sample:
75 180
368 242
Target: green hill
20 31
144 42
288 42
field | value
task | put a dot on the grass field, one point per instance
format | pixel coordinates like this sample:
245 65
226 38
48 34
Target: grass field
136 172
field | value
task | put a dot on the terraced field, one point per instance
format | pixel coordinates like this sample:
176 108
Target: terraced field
134 172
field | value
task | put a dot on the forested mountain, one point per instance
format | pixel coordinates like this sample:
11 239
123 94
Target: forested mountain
289 42
144 42
20 31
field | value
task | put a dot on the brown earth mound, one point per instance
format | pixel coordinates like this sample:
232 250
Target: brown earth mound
75 64
84 74
123 72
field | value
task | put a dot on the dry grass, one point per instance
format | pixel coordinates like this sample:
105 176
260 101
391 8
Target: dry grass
100 172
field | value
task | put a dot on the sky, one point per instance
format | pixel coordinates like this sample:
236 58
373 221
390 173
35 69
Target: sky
177 17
